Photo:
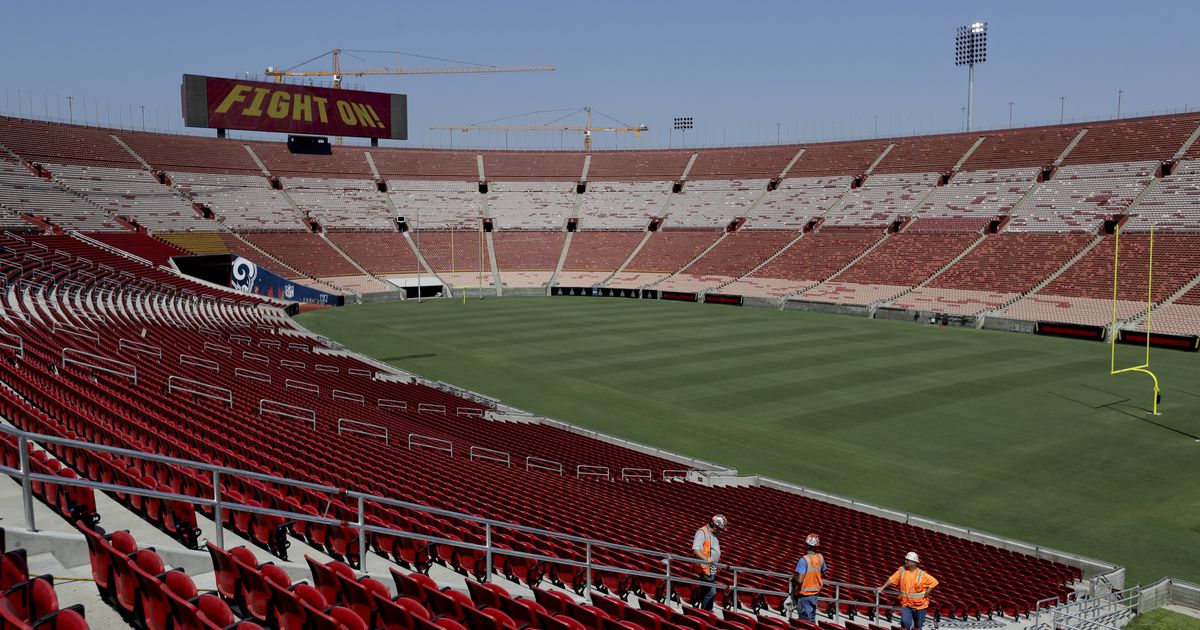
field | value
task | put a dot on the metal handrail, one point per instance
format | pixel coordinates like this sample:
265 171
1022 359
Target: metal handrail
358 426
670 574
132 374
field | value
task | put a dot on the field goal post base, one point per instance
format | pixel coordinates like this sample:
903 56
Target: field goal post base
1144 368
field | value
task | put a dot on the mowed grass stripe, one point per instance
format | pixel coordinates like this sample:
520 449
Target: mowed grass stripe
1020 435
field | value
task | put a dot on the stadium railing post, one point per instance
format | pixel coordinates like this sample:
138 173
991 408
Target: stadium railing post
218 520
588 558
667 599
837 599
362 536
734 588
487 539
26 484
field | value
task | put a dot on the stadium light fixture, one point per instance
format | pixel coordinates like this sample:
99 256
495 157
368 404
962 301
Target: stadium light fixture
970 48
682 124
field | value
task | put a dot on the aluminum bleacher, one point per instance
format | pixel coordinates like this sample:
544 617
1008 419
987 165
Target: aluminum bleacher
535 166
710 202
732 258
1150 139
920 154
420 164
1083 292
39 141
663 254
343 163
837 159
997 271
240 201
1036 147
741 164
191 154
972 200
342 204
595 255
797 200
808 262
897 265
309 254
638 166
1171 203
22 192
623 205
1081 198
530 205
1180 317
130 193
527 258
882 200
436 204
381 253
457 250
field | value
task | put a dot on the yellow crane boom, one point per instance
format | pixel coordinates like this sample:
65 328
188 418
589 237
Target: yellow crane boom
338 71
587 128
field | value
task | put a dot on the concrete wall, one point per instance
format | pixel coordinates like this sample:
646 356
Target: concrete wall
827 307
760 302
1010 325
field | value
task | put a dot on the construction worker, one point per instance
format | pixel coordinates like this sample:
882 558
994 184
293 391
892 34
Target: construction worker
707 547
914 585
808 579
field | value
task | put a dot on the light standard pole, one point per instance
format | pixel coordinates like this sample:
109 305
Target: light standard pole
1119 94
1062 109
143 107
71 108
1010 104
778 126
970 48
876 125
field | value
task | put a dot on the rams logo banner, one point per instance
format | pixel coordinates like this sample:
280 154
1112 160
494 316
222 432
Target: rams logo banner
300 109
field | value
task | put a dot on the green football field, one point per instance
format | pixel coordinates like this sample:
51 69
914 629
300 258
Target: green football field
1024 436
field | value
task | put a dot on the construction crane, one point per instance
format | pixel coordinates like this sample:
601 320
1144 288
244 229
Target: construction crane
587 127
338 71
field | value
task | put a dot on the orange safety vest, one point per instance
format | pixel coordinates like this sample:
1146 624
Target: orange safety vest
914 587
707 549
811 581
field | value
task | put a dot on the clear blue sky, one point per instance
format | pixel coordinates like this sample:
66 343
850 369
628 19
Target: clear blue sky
818 69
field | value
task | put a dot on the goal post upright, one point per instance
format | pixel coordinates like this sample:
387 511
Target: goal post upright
1115 333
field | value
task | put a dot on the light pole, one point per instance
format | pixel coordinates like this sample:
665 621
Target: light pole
1062 109
778 126
682 124
970 48
1119 94
876 125
143 108
71 108
1010 104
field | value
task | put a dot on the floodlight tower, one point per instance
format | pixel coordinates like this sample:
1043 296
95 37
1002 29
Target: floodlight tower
970 48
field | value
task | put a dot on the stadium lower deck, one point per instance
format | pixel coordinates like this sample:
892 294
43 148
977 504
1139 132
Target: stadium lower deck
103 344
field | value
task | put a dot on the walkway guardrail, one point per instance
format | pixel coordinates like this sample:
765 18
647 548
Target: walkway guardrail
677 570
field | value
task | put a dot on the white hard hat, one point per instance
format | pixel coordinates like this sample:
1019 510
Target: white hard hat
912 557
812 540
719 522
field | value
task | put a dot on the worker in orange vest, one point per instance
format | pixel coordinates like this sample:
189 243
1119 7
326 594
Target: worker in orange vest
707 547
808 579
914 585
